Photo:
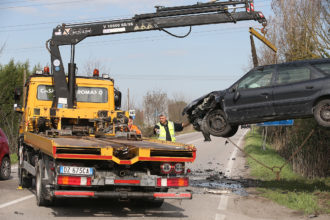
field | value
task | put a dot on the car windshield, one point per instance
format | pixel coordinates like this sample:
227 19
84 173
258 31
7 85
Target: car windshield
83 94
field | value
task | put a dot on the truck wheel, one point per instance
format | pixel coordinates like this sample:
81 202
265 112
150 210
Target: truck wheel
41 191
5 168
216 124
322 113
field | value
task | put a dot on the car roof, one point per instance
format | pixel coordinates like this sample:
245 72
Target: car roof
301 62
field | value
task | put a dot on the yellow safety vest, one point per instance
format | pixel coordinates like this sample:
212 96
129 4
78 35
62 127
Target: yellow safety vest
162 131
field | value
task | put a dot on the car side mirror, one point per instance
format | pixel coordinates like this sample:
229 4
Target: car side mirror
236 96
233 89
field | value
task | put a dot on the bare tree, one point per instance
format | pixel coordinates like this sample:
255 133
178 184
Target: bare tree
154 103
299 29
176 106
90 65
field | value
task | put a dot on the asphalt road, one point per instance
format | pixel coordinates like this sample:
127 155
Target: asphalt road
215 161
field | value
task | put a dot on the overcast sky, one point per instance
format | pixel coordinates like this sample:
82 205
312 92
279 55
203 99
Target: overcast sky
211 58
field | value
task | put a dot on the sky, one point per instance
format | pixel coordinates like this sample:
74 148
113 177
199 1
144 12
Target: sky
211 58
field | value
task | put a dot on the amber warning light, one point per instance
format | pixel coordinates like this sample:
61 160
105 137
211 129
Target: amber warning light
96 73
46 70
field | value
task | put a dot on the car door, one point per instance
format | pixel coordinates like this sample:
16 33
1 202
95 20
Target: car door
251 98
295 90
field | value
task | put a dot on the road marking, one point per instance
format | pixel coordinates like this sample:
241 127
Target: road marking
220 217
223 202
16 201
224 198
199 139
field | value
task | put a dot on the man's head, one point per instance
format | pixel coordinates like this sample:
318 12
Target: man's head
162 118
130 120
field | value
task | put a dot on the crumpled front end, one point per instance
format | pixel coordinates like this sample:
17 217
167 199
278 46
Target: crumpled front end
197 110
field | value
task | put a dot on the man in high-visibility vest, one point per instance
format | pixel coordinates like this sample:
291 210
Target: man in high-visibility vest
166 129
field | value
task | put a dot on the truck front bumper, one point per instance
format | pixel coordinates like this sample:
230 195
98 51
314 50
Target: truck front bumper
122 195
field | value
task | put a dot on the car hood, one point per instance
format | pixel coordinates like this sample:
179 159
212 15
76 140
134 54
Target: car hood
190 107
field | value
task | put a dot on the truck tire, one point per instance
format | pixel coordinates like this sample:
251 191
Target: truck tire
322 113
5 168
216 124
42 196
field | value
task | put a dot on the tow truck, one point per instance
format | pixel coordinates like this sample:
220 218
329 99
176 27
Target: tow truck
74 140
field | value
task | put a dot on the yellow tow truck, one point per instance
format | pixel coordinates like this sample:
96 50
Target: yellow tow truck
74 139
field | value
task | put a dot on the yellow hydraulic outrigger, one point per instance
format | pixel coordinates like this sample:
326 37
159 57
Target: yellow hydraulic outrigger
263 39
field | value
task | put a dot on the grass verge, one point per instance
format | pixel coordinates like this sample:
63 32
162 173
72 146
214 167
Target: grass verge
13 158
292 191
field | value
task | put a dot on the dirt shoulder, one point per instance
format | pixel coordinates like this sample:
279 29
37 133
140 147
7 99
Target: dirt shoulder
254 206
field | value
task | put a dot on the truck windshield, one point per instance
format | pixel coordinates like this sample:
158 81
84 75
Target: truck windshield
83 94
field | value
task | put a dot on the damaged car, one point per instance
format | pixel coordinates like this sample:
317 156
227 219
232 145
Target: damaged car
298 89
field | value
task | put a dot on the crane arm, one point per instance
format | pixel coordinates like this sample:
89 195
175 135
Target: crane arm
164 17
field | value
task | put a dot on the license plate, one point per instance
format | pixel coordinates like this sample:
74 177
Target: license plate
85 171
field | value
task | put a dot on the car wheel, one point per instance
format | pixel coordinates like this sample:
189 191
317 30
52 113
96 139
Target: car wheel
322 113
41 191
232 132
216 124
5 168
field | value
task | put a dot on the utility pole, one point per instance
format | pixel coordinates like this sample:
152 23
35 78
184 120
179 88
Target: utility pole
127 99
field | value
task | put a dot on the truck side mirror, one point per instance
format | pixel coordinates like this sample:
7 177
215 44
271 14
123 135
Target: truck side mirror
117 99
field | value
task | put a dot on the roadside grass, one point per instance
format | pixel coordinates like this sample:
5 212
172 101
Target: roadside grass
13 158
292 190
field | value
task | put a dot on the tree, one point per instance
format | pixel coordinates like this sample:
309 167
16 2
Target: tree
154 103
175 107
11 77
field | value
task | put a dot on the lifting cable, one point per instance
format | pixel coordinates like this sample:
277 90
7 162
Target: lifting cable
178 36
275 169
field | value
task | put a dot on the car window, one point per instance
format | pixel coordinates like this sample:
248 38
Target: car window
256 79
292 74
325 67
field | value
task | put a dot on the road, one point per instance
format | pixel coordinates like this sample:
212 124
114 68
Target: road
216 197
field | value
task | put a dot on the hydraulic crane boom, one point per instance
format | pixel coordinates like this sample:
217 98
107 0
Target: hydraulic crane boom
164 17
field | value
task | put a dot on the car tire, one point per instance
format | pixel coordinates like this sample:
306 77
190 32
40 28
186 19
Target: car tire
322 113
233 131
5 168
215 123
41 191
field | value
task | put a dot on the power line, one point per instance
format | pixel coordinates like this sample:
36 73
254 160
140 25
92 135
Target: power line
47 4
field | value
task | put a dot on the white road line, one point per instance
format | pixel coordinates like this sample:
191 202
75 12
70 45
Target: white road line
223 202
16 201
220 217
224 198
199 139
